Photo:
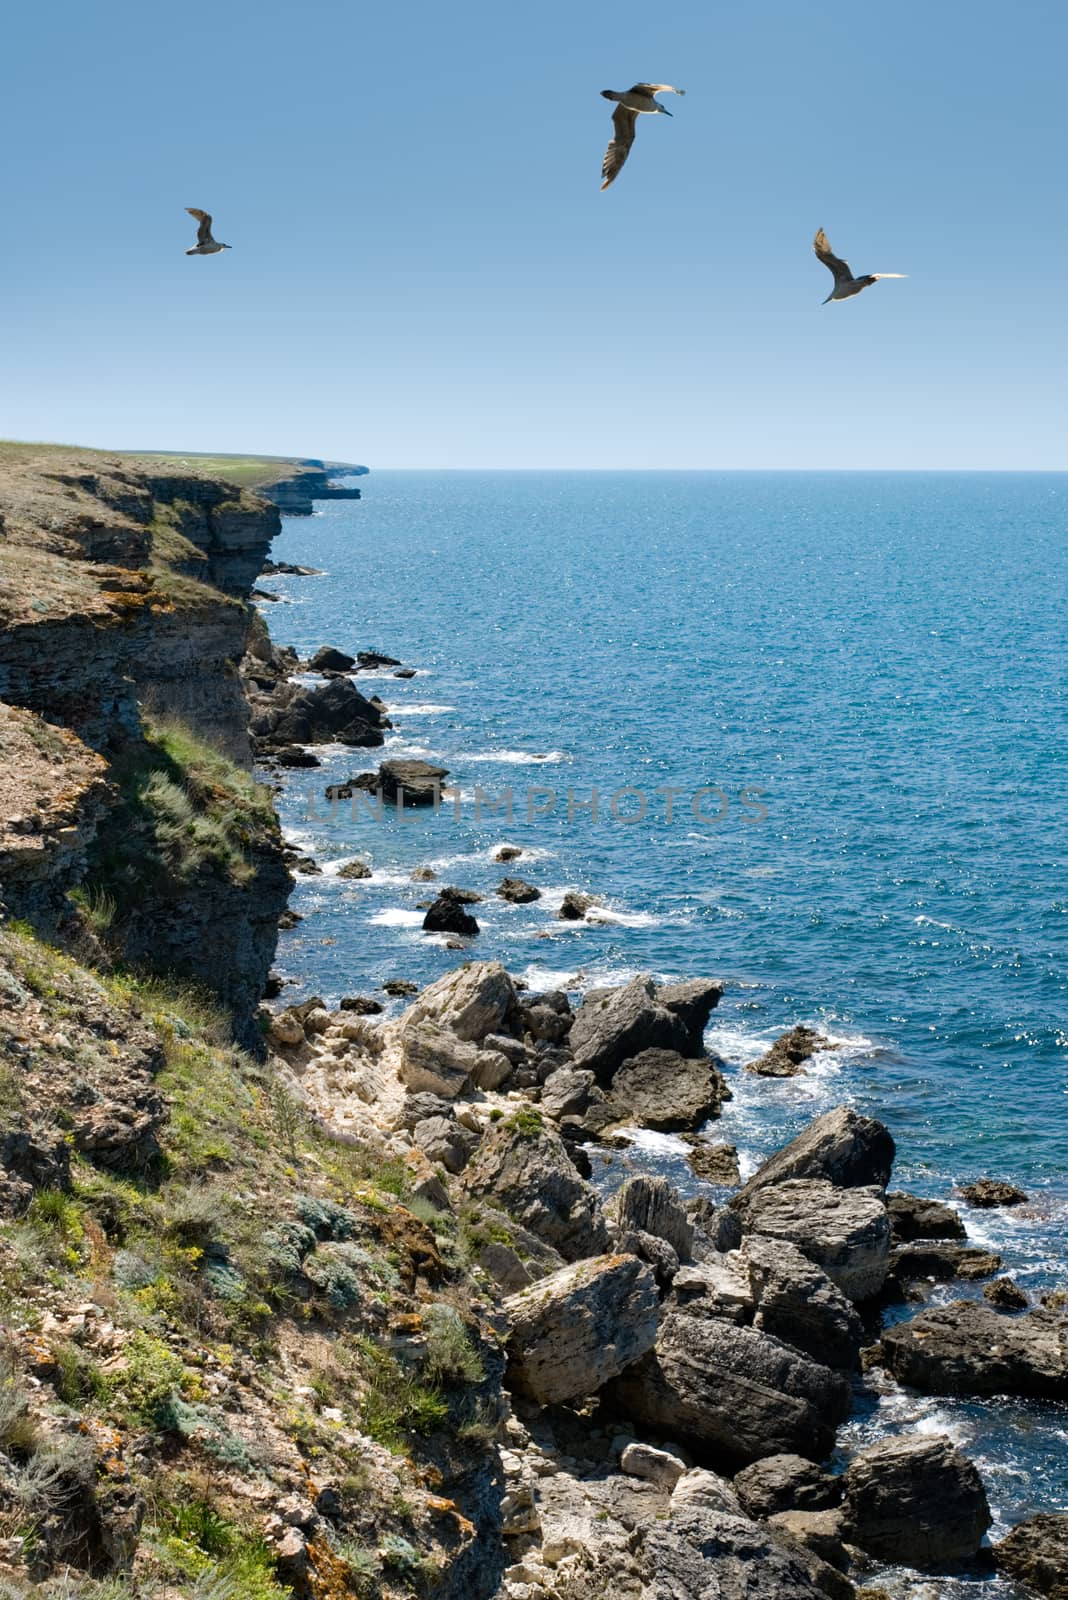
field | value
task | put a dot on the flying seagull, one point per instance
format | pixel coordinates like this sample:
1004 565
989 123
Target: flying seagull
844 282
631 104
205 245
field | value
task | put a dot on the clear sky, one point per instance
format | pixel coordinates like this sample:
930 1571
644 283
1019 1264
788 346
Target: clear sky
425 273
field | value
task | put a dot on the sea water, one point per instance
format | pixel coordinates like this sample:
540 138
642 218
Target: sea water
807 733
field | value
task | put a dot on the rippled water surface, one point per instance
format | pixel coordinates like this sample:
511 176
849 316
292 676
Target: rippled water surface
881 657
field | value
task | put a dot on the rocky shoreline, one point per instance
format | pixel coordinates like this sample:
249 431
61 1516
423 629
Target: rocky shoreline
377 1305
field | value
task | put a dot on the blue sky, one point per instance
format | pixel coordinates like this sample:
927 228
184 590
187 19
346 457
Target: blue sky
425 273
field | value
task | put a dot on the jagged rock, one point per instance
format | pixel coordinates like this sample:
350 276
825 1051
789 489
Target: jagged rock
733 1391
652 1205
989 1192
574 906
717 1228
716 1287
817 1531
1006 1295
566 1093
912 1217
795 1301
715 1163
661 1467
545 1023
614 1025
508 852
692 1002
423 875
915 1500
476 999
941 1261
573 1331
661 1089
518 891
657 1252
121 1130
968 1348
400 987
444 1141
1035 1553
294 755
330 711
705 1555
447 915
327 659
33 1159
841 1146
788 1054
505 1045
846 1232
786 1483
419 1107
354 869
524 1167
462 897
701 1490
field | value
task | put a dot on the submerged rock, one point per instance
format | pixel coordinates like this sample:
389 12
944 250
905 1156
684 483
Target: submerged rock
574 906
968 1348
989 1192
941 1261
788 1054
447 915
916 1500
518 891
327 659
354 870
573 1331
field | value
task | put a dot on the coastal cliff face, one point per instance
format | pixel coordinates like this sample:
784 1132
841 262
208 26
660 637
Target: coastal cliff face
296 495
124 616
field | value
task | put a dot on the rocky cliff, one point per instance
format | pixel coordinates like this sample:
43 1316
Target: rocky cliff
124 616
296 495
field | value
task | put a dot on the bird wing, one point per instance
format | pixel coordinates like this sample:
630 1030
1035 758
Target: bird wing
203 217
624 121
654 88
840 268
889 274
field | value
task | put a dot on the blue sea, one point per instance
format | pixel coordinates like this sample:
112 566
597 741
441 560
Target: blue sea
824 718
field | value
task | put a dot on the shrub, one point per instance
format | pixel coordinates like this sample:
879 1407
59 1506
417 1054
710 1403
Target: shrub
450 1355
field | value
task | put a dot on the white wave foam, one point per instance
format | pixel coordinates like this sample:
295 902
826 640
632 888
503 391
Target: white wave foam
396 917
625 919
516 758
400 708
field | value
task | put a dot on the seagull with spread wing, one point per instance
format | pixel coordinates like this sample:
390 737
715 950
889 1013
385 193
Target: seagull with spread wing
631 104
844 282
205 245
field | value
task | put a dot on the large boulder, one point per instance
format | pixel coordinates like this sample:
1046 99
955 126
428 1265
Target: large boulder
969 1348
732 1391
447 915
841 1146
612 1025
652 1205
329 659
786 1483
664 1090
524 1167
476 999
701 1554
420 782
573 1331
788 1054
1035 1553
913 1217
434 1061
796 1301
692 1002
915 1500
846 1232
